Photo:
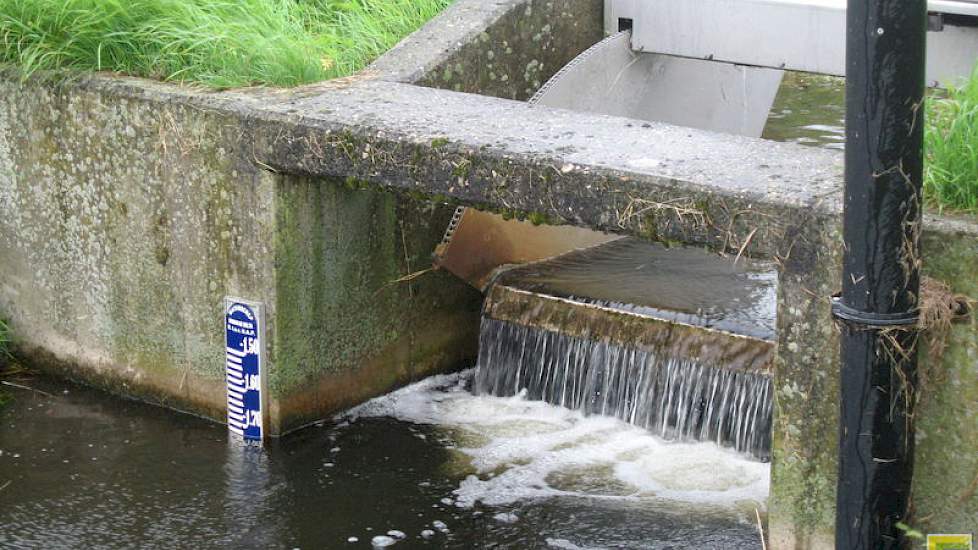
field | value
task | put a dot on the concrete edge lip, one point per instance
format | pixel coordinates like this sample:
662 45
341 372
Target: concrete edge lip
787 176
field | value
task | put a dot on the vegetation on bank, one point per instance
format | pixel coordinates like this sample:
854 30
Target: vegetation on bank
218 43
951 146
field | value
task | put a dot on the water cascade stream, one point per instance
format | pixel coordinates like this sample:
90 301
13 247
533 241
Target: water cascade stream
609 355
673 397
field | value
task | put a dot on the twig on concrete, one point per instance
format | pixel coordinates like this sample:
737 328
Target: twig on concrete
28 388
404 279
5 485
743 247
760 528
680 207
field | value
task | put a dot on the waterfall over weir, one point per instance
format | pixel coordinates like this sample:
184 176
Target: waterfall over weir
672 397
678 380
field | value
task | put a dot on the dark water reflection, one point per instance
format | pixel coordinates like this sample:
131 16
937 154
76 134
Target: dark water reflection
809 109
80 469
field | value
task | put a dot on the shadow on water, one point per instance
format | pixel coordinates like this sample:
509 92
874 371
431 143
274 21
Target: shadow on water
83 469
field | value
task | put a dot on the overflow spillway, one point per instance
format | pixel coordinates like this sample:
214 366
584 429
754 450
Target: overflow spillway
675 341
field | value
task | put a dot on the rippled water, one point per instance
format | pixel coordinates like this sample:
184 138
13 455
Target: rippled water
809 109
682 284
79 468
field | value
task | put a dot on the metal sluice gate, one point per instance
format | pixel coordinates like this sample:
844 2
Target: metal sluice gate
714 65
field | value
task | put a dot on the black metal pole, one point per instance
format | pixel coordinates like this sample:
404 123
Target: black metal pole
878 308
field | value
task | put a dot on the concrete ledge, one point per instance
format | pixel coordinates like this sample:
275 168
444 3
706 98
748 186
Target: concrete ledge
654 180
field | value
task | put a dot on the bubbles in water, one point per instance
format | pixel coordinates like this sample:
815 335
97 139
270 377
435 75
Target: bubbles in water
382 541
506 517
518 449
440 525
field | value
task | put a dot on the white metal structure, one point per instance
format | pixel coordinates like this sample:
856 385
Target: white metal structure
611 79
802 35
717 64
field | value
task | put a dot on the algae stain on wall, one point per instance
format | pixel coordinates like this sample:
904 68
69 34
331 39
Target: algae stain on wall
339 254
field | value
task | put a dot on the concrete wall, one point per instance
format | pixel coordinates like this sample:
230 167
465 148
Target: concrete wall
499 48
346 329
122 225
129 209
802 504
946 480
124 222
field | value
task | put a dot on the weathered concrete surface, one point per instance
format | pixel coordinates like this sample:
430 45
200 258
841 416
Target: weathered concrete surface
122 225
803 487
501 48
347 330
945 492
801 507
124 222
656 180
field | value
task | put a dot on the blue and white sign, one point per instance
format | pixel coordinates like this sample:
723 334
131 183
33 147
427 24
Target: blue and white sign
243 337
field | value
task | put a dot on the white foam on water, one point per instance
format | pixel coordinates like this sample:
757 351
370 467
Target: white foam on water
565 544
524 449
506 517
440 525
382 541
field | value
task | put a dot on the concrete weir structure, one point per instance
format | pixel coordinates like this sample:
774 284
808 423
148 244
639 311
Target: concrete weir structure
130 208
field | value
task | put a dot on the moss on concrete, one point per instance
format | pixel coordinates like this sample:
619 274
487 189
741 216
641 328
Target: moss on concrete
805 434
340 253
804 467
945 488
123 223
516 53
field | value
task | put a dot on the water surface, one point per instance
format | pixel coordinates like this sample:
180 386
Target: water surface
809 109
79 468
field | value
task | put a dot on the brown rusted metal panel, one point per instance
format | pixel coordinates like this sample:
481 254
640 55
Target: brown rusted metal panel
479 242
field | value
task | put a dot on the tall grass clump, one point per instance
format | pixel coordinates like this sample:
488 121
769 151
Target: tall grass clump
951 145
218 43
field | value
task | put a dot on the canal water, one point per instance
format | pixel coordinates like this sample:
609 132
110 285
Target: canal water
429 466
810 110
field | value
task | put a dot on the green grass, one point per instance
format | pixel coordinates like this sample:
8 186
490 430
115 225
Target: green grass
217 43
951 145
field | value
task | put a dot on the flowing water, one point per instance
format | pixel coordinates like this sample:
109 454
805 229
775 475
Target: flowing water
673 340
672 397
431 463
